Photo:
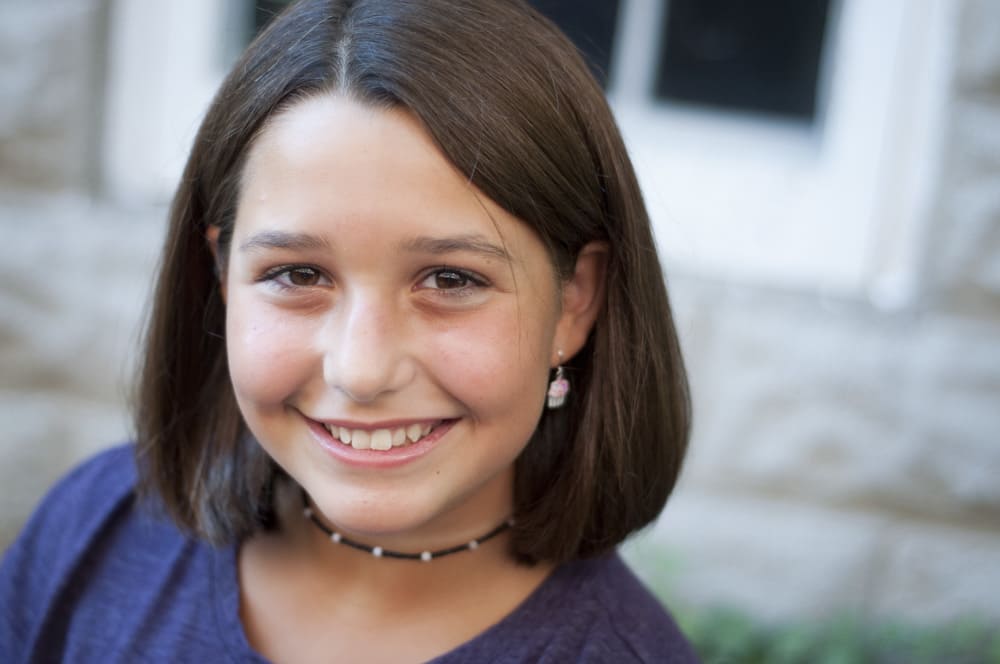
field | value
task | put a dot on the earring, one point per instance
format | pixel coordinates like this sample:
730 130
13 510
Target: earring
559 387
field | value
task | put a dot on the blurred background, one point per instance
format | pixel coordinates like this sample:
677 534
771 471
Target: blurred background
824 181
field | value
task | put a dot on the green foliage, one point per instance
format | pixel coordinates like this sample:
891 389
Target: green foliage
724 636
727 636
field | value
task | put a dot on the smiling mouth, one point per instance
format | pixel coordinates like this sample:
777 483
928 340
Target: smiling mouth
382 439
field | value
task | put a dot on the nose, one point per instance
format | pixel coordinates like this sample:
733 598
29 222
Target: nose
365 355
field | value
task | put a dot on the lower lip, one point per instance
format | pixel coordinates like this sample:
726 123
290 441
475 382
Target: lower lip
397 456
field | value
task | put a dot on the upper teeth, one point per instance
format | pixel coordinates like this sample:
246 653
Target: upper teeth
380 439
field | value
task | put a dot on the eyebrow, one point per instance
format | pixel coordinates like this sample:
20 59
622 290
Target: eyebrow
284 240
474 243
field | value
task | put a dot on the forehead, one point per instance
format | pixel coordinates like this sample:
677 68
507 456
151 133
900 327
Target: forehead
317 135
330 162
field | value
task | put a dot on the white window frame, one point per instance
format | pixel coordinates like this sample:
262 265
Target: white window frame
165 62
839 206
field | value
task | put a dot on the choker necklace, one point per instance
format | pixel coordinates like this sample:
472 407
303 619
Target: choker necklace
425 556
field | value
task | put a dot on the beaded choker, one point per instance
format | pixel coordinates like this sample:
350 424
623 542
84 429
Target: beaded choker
425 556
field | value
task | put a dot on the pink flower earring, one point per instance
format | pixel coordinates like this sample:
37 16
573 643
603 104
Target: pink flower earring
559 387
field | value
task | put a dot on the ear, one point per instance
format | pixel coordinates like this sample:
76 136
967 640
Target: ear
582 300
212 237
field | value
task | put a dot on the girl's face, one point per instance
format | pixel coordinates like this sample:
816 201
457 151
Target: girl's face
375 296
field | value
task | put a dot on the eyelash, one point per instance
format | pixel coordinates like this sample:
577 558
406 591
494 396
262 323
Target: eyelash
274 275
472 281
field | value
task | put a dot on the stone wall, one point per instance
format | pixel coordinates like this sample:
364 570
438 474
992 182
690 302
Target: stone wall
71 272
74 275
847 457
844 458
51 79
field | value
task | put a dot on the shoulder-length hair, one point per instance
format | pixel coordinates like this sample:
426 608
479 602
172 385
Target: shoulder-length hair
513 106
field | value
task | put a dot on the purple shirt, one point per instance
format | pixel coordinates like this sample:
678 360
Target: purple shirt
96 578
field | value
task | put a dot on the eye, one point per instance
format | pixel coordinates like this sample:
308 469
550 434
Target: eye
452 281
449 279
302 276
294 276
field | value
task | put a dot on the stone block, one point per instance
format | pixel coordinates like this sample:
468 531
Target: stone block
977 55
50 82
840 402
953 417
938 574
777 560
793 394
74 277
964 254
46 434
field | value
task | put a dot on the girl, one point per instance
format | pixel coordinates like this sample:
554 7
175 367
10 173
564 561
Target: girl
410 374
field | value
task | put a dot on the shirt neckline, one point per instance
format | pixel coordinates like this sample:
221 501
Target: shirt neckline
224 584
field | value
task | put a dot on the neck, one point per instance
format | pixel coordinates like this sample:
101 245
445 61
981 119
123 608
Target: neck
295 580
385 583
426 555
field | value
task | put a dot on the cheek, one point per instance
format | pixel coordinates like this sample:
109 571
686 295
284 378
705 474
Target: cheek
495 361
266 362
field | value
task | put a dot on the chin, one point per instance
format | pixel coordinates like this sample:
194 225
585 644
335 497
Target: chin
375 515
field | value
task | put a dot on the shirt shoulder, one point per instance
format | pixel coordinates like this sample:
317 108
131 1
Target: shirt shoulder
587 611
98 575
37 566
75 508
630 619
84 495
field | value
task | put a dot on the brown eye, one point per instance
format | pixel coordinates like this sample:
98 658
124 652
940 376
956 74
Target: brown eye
303 276
292 277
449 280
453 282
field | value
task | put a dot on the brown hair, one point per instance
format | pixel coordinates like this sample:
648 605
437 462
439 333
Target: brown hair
513 106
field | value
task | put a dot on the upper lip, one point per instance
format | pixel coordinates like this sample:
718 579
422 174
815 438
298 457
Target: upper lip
383 424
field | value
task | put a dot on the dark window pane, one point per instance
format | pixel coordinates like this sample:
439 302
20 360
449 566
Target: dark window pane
744 56
590 24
